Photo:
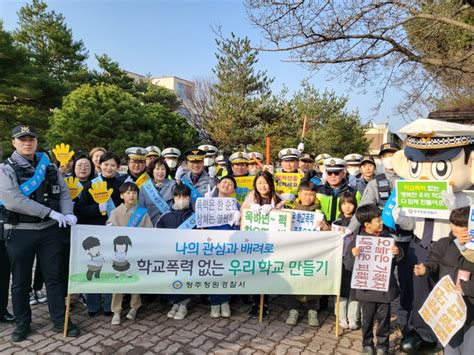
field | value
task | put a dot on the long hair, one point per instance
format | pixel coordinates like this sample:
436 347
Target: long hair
272 196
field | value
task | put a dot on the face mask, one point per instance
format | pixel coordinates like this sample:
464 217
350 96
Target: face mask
353 170
388 163
171 163
182 203
208 161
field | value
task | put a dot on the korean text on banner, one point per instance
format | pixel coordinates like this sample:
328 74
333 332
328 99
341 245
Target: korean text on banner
275 221
444 310
422 198
372 267
204 261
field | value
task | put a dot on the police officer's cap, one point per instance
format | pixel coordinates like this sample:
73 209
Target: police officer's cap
335 164
367 159
195 155
239 158
153 151
209 149
257 155
307 157
23 130
321 157
171 153
136 153
289 154
389 147
353 159
433 140
220 160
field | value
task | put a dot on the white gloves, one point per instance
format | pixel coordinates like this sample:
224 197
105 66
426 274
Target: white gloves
269 168
288 197
449 199
301 147
71 219
59 217
236 220
212 172
255 207
102 207
179 174
405 223
265 209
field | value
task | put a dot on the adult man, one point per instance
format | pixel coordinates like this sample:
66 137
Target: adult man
377 192
353 168
210 159
306 162
336 183
253 167
153 153
38 203
136 163
289 158
239 162
171 156
367 173
196 178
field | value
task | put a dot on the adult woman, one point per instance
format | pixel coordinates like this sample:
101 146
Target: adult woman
164 187
90 212
95 155
82 168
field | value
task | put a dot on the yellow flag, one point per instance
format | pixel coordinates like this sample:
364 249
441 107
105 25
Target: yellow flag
100 193
75 187
62 153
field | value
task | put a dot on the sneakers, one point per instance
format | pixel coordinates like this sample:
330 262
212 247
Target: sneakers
292 317
181 313
41 296
72 329
254 311
173 311
225 310
313 318
343 324
33 299
215 311
132 314
21 331
116 319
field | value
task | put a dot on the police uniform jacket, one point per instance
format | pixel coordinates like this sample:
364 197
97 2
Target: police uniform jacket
15 201
329 199
202 183
166 192
446 259
371 295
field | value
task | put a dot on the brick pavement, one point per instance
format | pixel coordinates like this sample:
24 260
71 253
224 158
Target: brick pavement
153 332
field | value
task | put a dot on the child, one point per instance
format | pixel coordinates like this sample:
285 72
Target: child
444 259
180 212
348 306
262 199
307 201
220 303
125 215
375 304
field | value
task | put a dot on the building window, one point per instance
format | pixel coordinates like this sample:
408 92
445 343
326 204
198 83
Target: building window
182 90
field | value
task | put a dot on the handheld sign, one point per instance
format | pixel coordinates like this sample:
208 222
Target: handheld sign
75 186
99 193
422 198
63 153
215 211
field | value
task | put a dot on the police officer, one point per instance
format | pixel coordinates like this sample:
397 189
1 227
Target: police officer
353 168
289 159
221 168
171 156
367 173
153 153
306 162
136 163
378 192
38 205
253 166
239 163
210 159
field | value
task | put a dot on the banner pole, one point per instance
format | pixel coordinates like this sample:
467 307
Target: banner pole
267 150
66 316
260 310
337 315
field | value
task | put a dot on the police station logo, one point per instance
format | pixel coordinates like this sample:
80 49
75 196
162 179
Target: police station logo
177 285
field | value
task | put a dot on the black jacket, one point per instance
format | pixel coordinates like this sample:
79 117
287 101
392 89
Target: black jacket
371 295
446 259
346 274
174 218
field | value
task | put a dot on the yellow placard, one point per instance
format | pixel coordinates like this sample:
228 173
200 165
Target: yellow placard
100 193
75 187
287 183
63 153
244 186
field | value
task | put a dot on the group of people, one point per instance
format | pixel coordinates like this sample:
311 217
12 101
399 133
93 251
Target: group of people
37 206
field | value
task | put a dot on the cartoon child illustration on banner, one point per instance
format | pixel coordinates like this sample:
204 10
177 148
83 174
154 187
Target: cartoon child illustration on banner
120 263
94 266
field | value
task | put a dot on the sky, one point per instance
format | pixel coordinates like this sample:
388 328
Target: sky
176 38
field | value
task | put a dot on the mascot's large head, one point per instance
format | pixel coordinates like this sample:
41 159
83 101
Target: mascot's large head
437 150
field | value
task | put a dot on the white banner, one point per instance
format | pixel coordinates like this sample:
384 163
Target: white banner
107 259
444 310
215 211
275 221
305 221
372 268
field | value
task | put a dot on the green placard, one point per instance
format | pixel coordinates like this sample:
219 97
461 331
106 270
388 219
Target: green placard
421 194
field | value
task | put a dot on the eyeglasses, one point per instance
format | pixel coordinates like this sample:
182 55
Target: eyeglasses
137 162
333 172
